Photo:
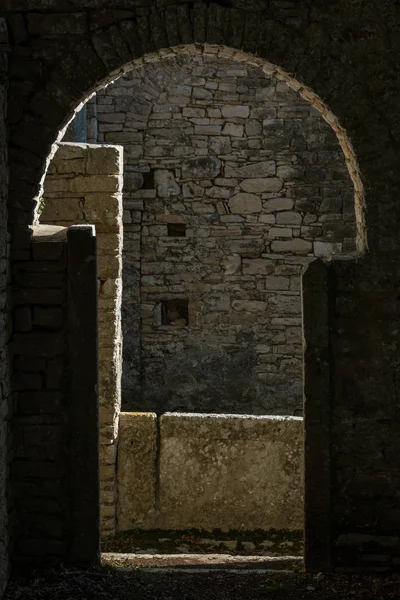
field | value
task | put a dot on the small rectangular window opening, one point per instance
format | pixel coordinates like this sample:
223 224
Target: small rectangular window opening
176 229
148 180
175 312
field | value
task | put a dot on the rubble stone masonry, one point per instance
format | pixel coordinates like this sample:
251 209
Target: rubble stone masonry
232 183
343 57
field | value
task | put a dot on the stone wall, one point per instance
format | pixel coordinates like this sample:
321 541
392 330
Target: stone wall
83 185
202 471
4 321
232 183
53 488
344 60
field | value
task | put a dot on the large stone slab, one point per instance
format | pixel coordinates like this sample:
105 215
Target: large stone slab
230 472
204 167
137 451
266 168
243 203
262 184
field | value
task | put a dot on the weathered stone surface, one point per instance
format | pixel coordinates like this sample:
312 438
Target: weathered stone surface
234 110
137 451
230 472
166 184
245 204
252 170
232 264
295 246
256 186
277 204
201 168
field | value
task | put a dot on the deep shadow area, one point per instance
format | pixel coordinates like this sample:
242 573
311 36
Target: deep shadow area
114 584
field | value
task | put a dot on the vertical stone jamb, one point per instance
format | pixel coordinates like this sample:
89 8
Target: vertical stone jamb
317 402
83 394
4 317
84 186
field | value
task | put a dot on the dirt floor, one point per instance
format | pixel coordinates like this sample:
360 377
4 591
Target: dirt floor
116 583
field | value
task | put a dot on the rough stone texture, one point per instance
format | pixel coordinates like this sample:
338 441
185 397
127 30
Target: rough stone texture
83 185
231 472
137 471
258 178
213 472
347 54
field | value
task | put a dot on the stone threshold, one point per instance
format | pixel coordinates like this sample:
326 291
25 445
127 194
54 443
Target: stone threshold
194 562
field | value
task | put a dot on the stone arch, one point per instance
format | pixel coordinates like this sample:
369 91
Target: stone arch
157 84
91 63
250 36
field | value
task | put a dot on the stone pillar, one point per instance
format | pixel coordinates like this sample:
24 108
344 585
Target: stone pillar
83 408
84 185
317 415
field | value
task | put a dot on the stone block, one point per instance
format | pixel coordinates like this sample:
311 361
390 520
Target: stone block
288 218
207 129
104 159
326 249
235 111
220 145
232 129
294 246
137 453
61 209
166 184
101 183
243 203
230 472
206 167
249 305
283 304
280 232
253 127
257 266
232 264
276 204
251 170
277 283
263 184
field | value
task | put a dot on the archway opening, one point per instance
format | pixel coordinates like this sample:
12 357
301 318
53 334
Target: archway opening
253 178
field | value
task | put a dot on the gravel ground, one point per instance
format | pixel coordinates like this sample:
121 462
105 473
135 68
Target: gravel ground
110 583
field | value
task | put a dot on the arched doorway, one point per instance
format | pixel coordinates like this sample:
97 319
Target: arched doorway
349 153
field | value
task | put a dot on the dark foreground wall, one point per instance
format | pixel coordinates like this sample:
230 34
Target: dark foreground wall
4 329
348 54
54 472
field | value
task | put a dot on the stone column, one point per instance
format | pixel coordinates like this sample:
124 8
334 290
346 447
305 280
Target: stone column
83 406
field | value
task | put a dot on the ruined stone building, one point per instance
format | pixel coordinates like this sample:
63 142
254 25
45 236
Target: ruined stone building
252 226
232 183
